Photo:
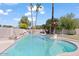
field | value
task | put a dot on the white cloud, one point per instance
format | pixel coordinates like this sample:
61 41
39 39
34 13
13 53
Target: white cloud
17 19
28 14
9 10
42 12
1 11
5 12
29 18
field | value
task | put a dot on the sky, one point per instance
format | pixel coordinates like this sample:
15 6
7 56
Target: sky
62 9
11 13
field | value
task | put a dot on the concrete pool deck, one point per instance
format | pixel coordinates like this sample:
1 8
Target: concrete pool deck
8 37
5 44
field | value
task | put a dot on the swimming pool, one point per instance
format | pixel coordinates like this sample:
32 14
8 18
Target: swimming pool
38 45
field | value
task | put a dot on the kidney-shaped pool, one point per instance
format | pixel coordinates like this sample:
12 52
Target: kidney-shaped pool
38 45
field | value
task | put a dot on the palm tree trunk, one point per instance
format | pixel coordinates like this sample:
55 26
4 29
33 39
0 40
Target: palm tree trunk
37 10
31 17
52 11
36 19
52 29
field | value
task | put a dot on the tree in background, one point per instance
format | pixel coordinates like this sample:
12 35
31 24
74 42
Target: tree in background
7 26
0 25
49 27
69 23
77 22
24 22
43 26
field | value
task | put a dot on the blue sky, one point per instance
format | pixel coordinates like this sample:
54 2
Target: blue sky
62 9
10 14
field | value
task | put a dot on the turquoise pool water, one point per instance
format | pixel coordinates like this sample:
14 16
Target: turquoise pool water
38 45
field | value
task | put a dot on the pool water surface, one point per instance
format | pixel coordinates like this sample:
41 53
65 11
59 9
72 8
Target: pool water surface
38 45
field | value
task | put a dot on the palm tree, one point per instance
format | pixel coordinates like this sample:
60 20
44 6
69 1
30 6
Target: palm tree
37 10
52 18
54 23
31 6
52 11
